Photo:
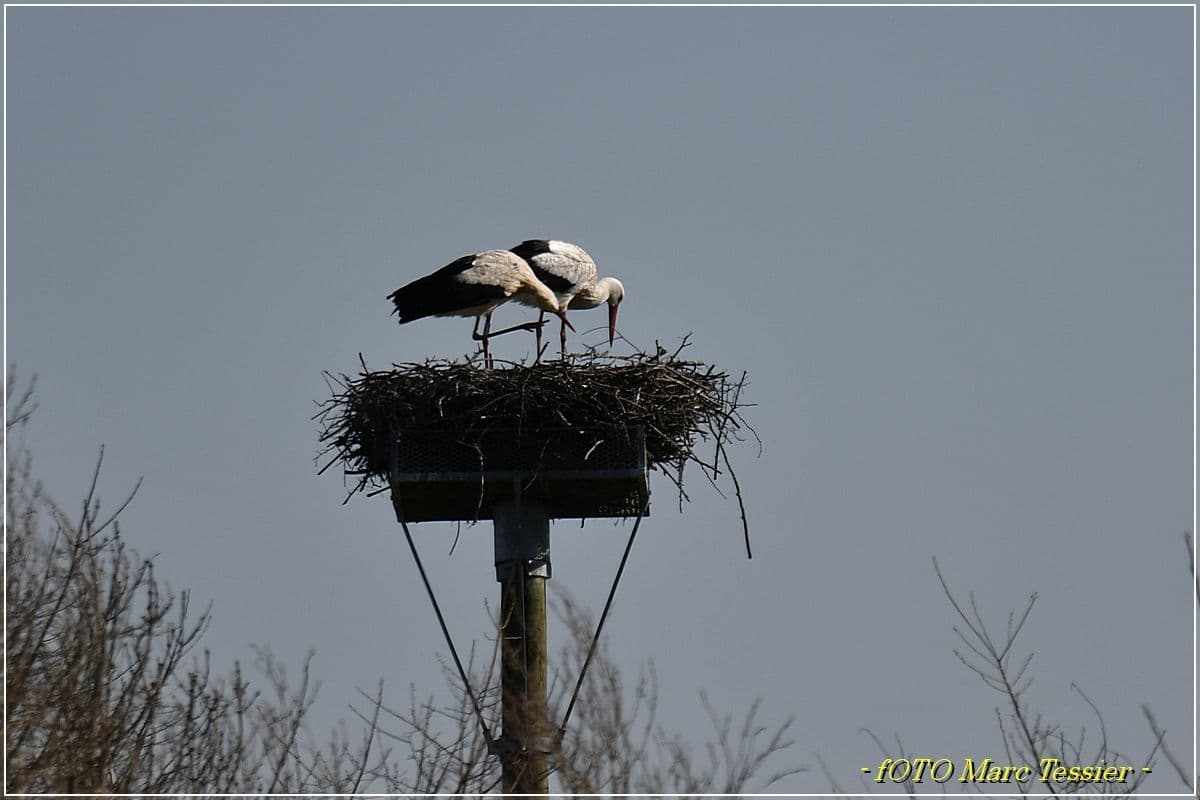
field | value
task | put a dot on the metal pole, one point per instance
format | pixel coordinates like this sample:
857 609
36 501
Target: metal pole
522 538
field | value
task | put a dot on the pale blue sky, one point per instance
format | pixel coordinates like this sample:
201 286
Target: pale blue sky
952 247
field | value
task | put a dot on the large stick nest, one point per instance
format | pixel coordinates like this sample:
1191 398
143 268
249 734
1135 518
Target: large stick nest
690 411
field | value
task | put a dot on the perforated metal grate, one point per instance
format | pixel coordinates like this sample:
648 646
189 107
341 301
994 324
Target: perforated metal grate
453 475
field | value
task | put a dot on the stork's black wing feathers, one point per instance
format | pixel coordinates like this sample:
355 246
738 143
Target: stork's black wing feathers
531 247
529 250
556 283
440 293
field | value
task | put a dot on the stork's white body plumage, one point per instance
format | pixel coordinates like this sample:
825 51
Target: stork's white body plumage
473 286
568 271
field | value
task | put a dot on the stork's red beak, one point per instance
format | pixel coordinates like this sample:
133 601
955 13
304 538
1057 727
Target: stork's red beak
612 324
562 314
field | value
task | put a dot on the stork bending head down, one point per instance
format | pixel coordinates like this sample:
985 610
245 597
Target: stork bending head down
606 290
568 271
473 286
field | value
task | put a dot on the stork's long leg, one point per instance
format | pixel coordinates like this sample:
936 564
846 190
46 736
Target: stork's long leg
562 334
487 326
477 336
488 333
528 326
537 348
524 326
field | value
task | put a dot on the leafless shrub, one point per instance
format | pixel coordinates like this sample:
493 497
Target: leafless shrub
614 745
441 741
104 692
1027 736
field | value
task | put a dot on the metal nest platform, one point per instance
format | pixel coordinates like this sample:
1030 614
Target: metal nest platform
574 473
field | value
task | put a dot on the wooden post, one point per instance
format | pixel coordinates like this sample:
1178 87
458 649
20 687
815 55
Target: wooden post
522 538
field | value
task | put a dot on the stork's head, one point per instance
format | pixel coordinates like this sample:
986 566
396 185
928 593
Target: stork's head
616 293
605 290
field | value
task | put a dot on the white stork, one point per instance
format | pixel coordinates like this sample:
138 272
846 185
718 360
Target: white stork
473 286
570 273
